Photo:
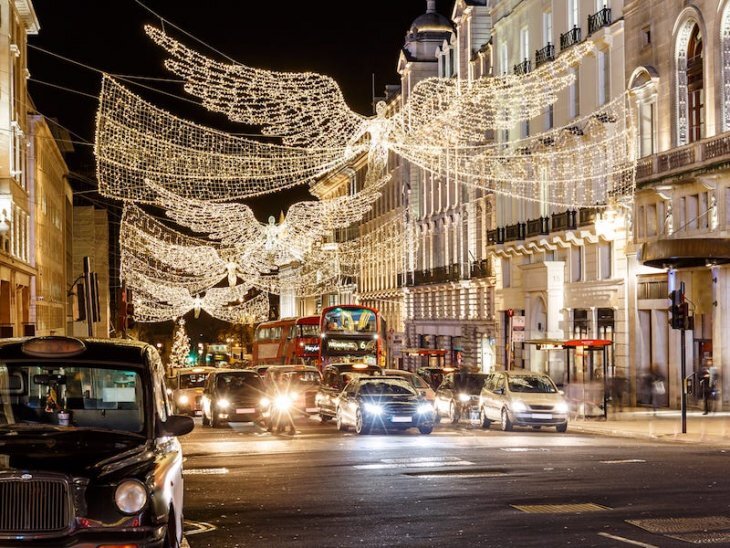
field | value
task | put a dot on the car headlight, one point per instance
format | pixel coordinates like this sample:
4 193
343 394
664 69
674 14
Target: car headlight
265 402
561 408
130 496
183 400
519 406
464 398
293 396
425 408
373 408
223 403
282 402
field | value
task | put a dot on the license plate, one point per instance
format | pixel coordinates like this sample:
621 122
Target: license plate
198 413
245 411
401 419
541 416
312 409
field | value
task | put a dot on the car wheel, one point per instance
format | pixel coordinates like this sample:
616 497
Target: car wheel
340 425
206 420
215 422
453 413
425 429
486 423
506 423
171 533
325 418
359 423
562 427
536 427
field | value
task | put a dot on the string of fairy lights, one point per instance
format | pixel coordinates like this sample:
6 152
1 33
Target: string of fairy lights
198 175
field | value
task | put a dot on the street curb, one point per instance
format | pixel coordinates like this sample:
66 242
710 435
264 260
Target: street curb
691 438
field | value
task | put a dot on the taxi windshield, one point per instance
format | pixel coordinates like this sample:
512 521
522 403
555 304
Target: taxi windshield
391 387
301 377
72 395
232 383
192 380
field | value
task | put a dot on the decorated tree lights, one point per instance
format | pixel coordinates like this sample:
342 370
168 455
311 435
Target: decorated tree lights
180 345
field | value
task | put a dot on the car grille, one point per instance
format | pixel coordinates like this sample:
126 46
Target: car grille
541 407
398 408
34 505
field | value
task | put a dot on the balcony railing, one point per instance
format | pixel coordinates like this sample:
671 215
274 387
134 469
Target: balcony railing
6 331
523 68
495 236
514 232
658 289
544 55
587 216
700 154
538 227
570 38
563 221
481 269
599 20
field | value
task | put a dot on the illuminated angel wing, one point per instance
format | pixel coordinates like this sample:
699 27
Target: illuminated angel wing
305 109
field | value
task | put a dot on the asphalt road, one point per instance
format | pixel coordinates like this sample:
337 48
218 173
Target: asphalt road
460 486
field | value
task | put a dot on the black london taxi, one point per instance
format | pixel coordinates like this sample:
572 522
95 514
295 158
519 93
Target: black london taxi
233 395
88 450
334 378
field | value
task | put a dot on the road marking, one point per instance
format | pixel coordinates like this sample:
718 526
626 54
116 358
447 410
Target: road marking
414 462
624 461
560 508
682 525
627 541
205 471
197 527
522 449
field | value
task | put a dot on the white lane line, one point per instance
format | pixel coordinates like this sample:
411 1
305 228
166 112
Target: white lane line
197 527
624 461
205 471
414 462
627 540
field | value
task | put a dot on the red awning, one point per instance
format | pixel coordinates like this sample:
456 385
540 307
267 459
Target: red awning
589 343
425 351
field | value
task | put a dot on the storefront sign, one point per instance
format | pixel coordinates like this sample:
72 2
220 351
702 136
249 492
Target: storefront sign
338 345
311 348
518 329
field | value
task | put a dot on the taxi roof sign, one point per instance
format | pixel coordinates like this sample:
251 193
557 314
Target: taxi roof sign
53 346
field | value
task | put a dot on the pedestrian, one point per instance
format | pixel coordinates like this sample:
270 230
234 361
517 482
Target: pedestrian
706 390
618 386
658 389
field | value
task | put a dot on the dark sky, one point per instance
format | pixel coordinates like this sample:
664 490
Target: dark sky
349 41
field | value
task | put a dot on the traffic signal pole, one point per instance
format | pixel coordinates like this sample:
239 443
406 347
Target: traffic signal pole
683 366
88 296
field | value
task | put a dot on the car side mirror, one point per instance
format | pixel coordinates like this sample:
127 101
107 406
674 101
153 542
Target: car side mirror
499 391
561 392
177 425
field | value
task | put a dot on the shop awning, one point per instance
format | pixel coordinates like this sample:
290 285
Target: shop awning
588 343
547 344
425 351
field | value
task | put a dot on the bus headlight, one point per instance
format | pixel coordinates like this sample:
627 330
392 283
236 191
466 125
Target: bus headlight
223 403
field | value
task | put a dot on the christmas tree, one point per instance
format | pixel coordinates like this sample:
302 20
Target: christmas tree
180 346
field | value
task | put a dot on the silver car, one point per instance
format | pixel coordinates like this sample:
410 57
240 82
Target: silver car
523 398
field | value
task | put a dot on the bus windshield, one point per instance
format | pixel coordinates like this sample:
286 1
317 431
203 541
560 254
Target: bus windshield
350 320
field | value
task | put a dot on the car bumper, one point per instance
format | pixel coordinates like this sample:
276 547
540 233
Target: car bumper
398 421
538 419
141 537
233 416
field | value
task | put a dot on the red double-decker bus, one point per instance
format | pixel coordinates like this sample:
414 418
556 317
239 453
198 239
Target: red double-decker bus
352 332
287 341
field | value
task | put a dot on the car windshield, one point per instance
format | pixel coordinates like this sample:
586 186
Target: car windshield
416 381
534 384
386 388
471 384
238 382
301 377
192 380
72 395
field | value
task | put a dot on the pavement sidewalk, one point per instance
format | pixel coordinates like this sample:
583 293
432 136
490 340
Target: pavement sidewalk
666 425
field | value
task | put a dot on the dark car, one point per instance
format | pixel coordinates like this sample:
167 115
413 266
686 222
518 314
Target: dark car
334 378
433 375
88 447
233 395
291 393
186 390
458 395
383 402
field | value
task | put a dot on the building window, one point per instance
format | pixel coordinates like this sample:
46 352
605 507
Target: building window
524 44
605 256
506 274
604 78
725 48
574 97
504 59
647 115
581 324
576 264
573 16
690 94
549 118
646 36
547 27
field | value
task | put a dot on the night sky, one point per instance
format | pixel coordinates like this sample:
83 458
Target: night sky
349 41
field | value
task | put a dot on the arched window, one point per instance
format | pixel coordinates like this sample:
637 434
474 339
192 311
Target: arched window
690 84
725 48
643 85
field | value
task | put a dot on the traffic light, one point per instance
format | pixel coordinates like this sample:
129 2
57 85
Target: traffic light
678 309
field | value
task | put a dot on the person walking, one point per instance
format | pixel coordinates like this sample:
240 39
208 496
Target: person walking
706 390
658 389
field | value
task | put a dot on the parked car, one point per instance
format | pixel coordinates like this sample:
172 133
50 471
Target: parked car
383 402
434 376
186 389
334 379
233 395
458 395
416 381
88 445
291 390
523 398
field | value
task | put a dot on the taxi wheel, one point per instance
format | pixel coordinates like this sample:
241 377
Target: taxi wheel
453 414
506 423
486 423
215 422
425 429
171 534
360 424
340 424
206 420
325 418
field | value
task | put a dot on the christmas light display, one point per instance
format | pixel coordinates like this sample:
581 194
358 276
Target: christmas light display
180 345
